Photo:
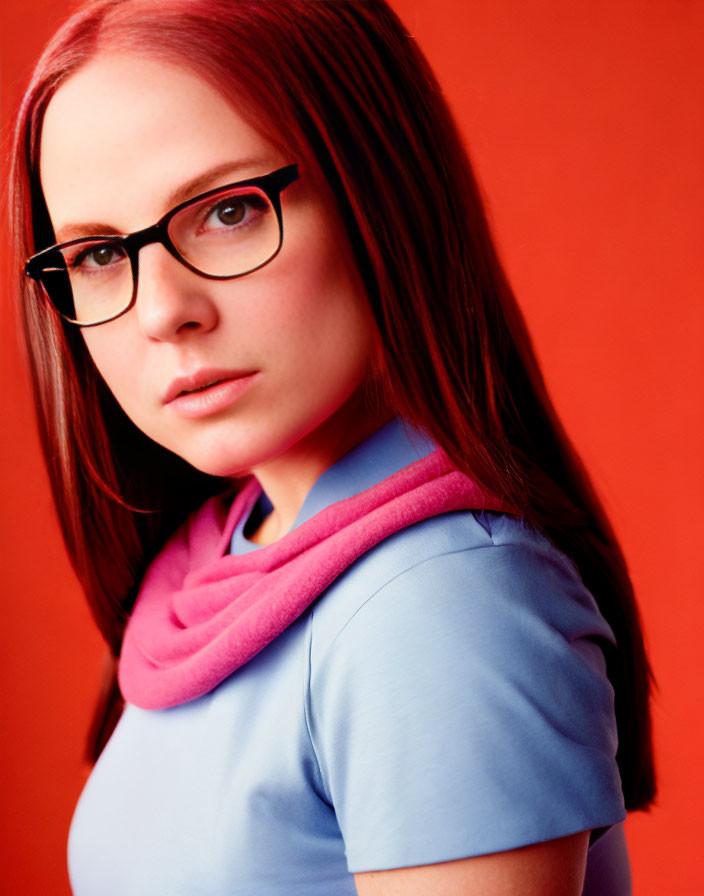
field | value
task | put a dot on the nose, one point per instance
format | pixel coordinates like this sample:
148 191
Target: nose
171 300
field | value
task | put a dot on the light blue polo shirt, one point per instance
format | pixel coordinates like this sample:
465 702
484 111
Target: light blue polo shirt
445 697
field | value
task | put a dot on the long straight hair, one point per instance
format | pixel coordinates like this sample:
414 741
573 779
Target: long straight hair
342 84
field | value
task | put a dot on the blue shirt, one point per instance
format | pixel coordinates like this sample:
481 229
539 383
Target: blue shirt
445 697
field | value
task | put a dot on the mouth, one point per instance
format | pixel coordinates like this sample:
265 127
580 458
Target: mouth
201 382
210 396
199 388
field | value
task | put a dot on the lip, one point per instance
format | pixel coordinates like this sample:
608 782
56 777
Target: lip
222 388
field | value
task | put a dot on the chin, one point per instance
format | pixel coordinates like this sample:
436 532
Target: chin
219 465
226 455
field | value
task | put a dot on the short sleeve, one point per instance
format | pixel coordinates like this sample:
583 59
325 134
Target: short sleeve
464 709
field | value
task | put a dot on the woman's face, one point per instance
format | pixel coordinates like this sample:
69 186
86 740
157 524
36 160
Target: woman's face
121 139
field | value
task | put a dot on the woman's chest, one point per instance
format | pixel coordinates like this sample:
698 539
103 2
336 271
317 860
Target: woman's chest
220 795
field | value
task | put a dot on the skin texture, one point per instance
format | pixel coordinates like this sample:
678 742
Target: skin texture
120 138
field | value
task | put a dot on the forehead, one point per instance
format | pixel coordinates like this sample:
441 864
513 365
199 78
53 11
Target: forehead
122 134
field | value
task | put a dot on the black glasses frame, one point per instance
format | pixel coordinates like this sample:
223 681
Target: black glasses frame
272 184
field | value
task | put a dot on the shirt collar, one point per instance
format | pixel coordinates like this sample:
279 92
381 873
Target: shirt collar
391 448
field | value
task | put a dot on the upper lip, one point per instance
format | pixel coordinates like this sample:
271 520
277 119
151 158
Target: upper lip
198 379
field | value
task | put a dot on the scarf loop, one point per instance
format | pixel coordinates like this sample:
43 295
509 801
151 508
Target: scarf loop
201 613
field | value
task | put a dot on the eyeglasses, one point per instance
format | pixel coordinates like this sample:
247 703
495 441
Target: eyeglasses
222 234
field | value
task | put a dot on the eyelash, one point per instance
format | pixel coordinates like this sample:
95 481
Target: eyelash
76 263
251 202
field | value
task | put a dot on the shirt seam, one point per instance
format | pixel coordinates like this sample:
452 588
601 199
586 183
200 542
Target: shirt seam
307 698
481 547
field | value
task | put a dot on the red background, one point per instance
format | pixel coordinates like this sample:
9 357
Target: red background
584 121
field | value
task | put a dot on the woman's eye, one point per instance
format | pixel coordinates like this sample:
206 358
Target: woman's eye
102 256
97 257
229 212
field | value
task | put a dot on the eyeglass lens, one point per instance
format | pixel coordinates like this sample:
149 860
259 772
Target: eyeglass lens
224 235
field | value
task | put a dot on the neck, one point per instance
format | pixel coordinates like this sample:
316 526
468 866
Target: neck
289 477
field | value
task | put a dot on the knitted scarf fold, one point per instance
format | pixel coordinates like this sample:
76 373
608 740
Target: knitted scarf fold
201 613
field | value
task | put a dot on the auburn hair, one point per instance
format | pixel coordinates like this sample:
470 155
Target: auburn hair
342 84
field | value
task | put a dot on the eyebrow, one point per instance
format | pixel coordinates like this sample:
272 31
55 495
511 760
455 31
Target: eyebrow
190 188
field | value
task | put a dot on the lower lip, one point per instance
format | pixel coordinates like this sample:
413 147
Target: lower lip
213 399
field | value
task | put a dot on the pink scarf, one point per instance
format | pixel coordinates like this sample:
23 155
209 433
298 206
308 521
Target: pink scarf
202 613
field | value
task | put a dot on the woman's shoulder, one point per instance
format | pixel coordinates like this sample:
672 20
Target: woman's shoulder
457 681
489 570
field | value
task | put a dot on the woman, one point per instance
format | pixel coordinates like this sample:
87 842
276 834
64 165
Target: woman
390 644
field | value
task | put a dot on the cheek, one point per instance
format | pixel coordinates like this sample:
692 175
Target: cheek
319 307
114 355
325 332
